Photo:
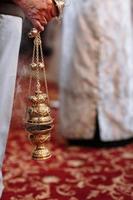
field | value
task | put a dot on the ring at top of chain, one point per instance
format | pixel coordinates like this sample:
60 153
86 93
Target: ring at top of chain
33 33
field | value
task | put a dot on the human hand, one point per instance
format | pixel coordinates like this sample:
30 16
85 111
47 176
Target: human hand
39 12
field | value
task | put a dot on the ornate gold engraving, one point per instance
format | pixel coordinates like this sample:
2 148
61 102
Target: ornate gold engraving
39 122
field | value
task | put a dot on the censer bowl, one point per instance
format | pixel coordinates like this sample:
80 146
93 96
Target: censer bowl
39 135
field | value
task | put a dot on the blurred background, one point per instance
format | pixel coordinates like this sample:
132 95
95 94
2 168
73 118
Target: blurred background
89 65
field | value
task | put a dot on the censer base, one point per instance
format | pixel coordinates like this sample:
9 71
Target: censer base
39 135
41 153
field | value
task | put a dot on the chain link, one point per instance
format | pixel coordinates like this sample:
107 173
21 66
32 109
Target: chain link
37 58
44 72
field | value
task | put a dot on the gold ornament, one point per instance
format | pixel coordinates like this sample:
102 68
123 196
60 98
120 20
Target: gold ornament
39 122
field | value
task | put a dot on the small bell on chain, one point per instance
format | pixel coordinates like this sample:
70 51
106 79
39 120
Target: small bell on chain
39 122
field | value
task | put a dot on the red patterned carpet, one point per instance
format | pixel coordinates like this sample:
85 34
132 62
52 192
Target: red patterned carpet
73 173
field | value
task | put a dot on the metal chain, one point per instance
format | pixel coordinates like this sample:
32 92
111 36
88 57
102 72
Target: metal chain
37 57
37 42
31 74
33 55
44 72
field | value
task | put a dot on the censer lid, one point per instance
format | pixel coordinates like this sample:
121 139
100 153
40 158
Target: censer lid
38 97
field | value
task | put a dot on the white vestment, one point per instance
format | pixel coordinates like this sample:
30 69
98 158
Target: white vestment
10 37
97 70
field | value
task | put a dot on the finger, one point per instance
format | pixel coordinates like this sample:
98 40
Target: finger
54 11
38 25
48 16
43 22
52 8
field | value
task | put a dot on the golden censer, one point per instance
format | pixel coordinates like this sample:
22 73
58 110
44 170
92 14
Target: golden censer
39 122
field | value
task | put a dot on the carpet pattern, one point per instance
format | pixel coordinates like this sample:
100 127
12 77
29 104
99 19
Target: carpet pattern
73 173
